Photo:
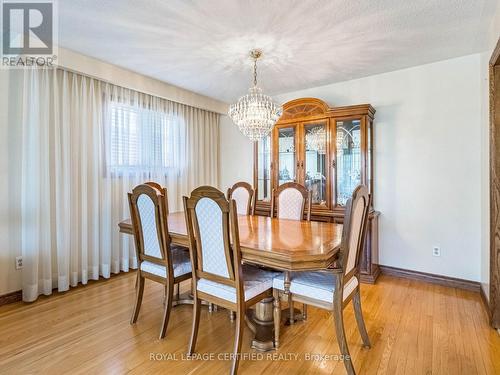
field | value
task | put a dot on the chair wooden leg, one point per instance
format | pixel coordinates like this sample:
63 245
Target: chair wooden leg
356 301
138 299
277 318
169 296
196 323
240 322
339 328
304 311
287 283
232 316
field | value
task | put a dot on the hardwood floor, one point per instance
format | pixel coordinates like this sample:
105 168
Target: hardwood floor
414 327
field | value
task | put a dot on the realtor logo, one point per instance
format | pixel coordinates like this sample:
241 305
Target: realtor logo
28 31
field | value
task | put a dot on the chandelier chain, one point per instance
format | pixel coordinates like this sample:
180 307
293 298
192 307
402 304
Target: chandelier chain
255 72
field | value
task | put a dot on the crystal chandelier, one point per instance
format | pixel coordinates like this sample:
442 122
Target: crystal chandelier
255 113
316 139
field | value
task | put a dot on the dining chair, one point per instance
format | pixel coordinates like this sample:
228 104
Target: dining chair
158 259
163 191
244 194
292 201
219 276
334 288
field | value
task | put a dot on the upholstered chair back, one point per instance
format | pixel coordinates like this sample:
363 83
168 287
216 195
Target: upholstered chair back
211 237
354 231
208 216
243 194
149 222
292 202
162 190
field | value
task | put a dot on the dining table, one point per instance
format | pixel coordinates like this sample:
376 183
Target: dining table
280 244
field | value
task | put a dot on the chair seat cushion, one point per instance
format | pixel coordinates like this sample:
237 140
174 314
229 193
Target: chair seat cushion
317 285
257 281
181 263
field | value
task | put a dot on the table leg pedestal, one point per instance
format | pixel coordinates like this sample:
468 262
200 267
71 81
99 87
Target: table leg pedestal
183 299
260 321
290 314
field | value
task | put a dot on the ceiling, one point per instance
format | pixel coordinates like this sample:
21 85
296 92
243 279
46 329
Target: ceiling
203 46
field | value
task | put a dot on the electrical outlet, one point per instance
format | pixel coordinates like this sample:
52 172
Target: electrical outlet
436 251
19 263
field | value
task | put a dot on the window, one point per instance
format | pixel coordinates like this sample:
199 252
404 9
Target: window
140 140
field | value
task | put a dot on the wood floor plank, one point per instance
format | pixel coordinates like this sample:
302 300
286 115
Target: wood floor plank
414 328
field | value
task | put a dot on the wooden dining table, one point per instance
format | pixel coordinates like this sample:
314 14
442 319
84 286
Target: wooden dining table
280 244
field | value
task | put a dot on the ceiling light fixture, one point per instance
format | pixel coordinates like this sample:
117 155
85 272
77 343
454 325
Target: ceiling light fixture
255 113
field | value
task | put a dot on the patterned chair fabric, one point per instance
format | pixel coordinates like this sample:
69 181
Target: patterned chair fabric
256 281
355 235
146 211
290 203
181 263
241 196
209 217
319 285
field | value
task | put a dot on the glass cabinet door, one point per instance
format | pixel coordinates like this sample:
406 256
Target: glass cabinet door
348 158
264 168
315 161
286 155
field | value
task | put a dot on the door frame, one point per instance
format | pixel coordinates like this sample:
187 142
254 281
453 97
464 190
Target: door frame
494 135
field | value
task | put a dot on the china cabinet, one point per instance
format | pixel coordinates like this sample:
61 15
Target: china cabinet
330 152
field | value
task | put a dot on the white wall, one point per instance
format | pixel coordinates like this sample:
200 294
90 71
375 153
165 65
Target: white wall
485 172
236 155
427 162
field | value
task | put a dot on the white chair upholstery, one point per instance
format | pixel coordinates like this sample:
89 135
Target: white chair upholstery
290 203
241 196
256 281
146 211
355 235
319 285
209 217
181 263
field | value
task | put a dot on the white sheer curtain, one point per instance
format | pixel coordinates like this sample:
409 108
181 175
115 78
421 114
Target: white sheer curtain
79 162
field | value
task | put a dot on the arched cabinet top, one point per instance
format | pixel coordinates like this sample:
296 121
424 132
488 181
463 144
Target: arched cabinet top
313 108
303 107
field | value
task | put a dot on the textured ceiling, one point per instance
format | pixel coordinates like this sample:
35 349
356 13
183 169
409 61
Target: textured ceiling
203 45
